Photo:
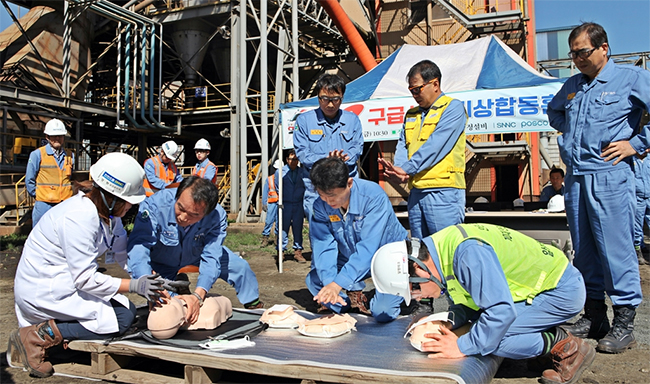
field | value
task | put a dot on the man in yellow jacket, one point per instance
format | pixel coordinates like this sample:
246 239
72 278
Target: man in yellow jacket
430 154
49 169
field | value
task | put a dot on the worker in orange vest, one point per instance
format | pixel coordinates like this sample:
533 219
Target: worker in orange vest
270 205
160 170
204 168
49 169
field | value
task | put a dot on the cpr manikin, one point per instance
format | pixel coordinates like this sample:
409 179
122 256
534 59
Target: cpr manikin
431 324
282 316
164 321
328 326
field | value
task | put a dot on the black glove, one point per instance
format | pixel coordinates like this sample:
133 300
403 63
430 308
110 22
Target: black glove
179 286
265 208
148 286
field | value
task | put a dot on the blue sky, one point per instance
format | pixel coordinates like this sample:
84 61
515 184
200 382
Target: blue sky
627 22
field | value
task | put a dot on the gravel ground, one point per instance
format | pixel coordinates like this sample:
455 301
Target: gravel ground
288 287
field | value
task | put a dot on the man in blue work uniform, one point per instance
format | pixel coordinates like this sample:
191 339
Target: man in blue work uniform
430 154
270 206
160 171
515 291
352 219
47 178
598 113
557 185
327 131
175 228
293 214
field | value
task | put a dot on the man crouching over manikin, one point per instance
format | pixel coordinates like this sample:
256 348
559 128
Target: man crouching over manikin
351 219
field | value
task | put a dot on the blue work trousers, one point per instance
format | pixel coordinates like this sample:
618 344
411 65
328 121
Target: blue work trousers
600 211
72 330
642 214
384 307
40 208
523 339
292 216
308 200
271 217
434 209
235 271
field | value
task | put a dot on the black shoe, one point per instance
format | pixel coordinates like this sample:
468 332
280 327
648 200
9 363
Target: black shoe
621 336
593 324
640 258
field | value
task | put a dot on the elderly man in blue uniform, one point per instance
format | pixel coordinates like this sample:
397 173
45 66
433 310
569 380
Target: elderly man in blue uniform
430 154
49 169
184 226
642 213
293 214
514 290
598 112
327 131
557 185
352 219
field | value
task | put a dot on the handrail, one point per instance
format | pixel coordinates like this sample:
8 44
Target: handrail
19 203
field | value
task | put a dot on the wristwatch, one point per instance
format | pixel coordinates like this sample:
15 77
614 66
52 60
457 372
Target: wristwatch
198 297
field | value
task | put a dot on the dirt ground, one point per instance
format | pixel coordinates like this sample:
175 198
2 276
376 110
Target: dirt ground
288 287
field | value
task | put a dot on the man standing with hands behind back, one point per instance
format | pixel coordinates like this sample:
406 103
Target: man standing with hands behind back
430 154
598 112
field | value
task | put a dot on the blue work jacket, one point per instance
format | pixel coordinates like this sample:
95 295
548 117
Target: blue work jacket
591 115
293 187
316 136
350 241
642 176
34 165
158 243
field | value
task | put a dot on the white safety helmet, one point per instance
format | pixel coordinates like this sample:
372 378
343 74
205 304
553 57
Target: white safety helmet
277 164
556 204
202 144
121 175
55 127
390 271
171 150
518 203
481 199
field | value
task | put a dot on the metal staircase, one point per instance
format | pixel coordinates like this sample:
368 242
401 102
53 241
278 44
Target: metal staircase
482 20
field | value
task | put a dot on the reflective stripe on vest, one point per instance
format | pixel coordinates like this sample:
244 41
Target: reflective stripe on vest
53 183
530 267
166 175
273 193
201 172
448 172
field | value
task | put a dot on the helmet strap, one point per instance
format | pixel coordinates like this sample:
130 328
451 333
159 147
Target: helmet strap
425 279
110 207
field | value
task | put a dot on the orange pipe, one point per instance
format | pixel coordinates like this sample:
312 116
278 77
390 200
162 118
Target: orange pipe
349 32
534 137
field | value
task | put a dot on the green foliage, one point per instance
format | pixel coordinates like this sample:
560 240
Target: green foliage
11 242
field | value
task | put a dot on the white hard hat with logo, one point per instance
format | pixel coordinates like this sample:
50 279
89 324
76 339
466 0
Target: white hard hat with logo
120 175
390 272
556 204
202 144
55 127
277 164
171 150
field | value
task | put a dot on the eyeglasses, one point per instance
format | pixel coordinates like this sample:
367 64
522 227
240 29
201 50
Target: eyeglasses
418 88
581 53
327 99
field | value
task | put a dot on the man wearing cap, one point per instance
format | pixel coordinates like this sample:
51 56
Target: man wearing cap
178 227
514 290
49 170
160 170
204 168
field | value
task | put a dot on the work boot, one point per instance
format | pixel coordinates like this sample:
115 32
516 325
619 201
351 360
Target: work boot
265 241
620 337
640 258
32 343
255 304
359 301
571 356
297 255
593 324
